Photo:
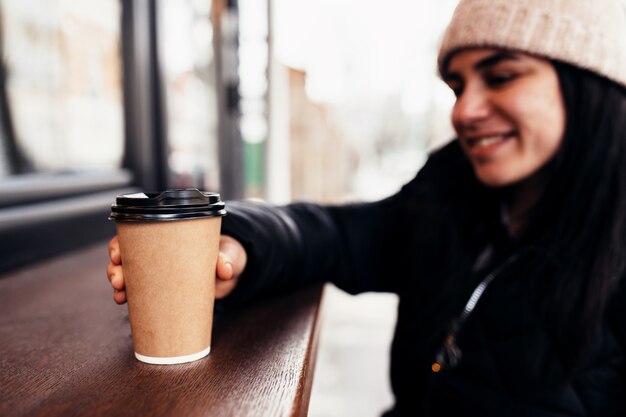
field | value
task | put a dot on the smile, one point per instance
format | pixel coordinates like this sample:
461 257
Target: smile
485 141
485 148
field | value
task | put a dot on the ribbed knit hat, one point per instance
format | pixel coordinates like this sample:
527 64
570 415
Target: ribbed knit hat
589 34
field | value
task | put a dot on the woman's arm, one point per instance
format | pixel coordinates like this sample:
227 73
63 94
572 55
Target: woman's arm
291 246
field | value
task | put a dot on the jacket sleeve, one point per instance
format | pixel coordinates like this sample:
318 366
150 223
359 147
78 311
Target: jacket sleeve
294 245
355 246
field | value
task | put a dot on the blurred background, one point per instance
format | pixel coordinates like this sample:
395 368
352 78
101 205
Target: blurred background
280 100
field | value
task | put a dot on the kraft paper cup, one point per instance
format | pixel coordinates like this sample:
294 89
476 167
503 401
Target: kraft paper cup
169 270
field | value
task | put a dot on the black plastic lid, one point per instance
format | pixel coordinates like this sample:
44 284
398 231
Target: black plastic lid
178 204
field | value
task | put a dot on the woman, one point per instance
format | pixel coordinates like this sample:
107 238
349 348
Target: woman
508 250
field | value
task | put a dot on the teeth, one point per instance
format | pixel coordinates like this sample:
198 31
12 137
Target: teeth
486 141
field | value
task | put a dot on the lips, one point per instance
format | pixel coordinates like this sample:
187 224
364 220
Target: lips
486 140
488 144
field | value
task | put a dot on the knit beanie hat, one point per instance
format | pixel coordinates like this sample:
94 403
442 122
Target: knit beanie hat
589 34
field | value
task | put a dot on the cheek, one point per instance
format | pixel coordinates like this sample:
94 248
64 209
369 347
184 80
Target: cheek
542 124
551 130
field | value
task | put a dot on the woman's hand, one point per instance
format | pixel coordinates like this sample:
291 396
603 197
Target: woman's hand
114 272
231 262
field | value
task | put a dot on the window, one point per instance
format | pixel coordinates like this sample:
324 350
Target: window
188 67
63 114
62 125
103 97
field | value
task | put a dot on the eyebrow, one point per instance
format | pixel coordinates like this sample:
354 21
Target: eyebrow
494 59
485 63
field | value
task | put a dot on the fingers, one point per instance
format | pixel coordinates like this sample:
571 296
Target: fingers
231 262
114 272
223 288
114 251
116 276
232 258
119 297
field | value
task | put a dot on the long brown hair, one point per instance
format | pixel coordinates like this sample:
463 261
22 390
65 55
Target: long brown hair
581 218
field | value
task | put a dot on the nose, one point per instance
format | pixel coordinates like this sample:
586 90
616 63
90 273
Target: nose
471 107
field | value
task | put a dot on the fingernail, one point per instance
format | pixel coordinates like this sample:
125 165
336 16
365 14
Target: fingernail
229 266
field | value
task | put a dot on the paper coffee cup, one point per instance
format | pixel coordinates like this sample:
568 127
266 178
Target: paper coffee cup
169 246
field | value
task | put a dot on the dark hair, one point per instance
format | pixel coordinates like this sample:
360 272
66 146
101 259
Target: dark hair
581 218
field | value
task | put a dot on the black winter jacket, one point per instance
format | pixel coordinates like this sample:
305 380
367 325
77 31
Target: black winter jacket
431 244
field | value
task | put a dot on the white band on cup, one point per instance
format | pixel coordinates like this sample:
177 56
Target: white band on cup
173 360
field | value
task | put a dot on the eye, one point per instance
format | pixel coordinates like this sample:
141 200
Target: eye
499 79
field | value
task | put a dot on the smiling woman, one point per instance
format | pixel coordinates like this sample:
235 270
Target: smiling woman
507 249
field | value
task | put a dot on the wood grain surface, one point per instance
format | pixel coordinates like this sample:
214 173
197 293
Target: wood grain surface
66 350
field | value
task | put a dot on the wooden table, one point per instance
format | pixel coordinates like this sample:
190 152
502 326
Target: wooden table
65 350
